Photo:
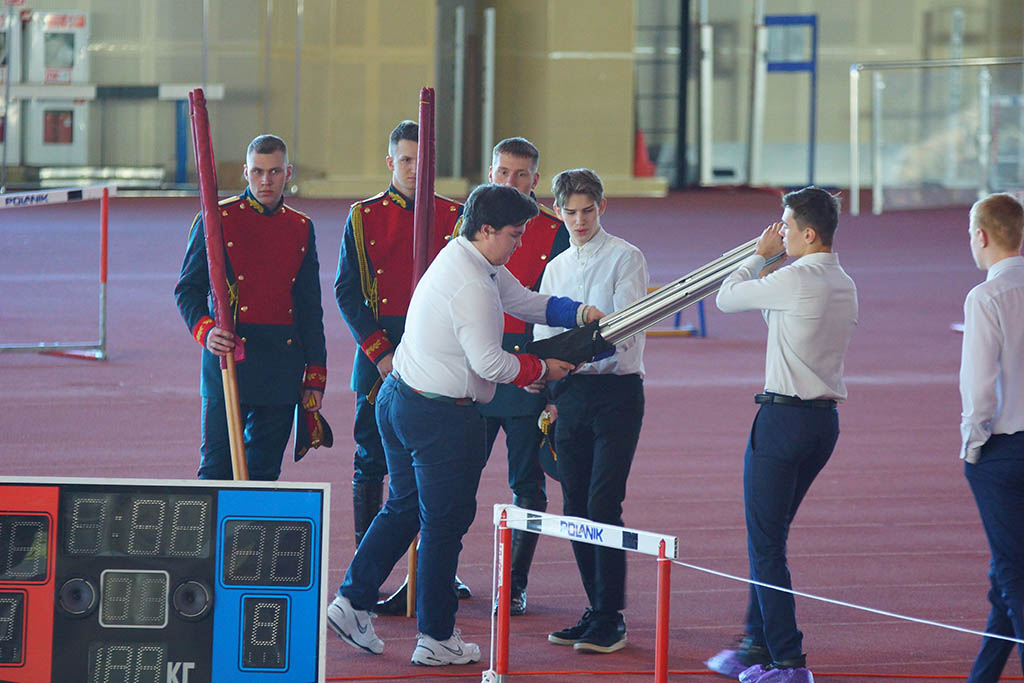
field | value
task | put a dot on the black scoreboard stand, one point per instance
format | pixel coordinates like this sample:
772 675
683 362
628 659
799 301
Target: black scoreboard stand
150 581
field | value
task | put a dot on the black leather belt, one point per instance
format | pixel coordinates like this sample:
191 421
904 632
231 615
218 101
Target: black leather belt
783 400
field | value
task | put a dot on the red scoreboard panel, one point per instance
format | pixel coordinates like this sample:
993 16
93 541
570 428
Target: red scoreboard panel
144 581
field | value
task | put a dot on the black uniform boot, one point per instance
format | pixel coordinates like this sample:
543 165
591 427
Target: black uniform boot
366 502
524 544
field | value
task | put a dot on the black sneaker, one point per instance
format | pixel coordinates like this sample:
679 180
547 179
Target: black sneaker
603 635
569 636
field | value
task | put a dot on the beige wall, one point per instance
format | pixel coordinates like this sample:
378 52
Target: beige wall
363 64
565 80
565 74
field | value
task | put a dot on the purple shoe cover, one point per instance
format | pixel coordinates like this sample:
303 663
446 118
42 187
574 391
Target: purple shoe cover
727 663
758 674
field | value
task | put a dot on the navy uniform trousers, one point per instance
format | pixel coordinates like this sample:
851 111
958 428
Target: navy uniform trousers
435 456
997 482
265 432
598 426
522 438
788 447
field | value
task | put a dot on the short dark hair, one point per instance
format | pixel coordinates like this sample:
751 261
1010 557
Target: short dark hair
496 206
517 147
815 208
577 181
406 130
266 144
1001 216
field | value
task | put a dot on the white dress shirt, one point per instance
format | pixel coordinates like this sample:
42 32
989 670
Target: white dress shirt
992 362
606 272
452 340
811 309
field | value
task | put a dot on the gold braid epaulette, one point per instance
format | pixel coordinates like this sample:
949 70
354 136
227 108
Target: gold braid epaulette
366 278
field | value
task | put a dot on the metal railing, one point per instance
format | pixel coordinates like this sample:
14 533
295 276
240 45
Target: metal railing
984 104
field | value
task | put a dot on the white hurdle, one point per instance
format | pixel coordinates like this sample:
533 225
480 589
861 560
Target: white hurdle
509 517
96 350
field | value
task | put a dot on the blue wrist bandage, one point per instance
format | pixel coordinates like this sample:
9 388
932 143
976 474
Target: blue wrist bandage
561 311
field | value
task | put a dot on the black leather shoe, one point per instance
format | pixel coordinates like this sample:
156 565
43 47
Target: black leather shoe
517 606
395 604
462 589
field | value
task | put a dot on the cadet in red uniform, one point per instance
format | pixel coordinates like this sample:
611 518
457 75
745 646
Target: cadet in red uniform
514 162
373 288
274 278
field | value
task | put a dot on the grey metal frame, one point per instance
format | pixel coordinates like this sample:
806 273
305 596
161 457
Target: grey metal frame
878 85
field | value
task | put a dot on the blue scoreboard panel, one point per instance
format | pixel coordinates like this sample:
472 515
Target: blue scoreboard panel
146 581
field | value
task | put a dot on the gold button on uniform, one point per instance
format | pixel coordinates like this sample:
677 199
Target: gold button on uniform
543 257
244 340
302 249
515 348
289 311
380 271
366 210
223 213
453 209
384 300
288 341
384 203
373 242
244 309
241 277
231 244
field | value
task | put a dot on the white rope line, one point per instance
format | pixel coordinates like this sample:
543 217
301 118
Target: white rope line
494 591
847 604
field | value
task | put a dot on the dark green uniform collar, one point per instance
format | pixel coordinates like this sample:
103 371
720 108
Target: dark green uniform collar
259 206
399 198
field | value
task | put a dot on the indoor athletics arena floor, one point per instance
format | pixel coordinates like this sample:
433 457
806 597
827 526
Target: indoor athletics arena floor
889 524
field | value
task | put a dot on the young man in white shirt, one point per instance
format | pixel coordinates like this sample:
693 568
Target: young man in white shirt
811 310
992 423
450 358
600 407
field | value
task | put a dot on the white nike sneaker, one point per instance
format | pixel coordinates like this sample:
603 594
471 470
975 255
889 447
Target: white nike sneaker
430 652
354 626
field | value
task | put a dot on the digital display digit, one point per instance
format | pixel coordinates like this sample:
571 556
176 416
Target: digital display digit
264 633
133 599
23 547
127 663
12 627
260 552
137 525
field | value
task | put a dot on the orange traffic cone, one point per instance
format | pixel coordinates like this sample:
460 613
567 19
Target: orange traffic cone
643 167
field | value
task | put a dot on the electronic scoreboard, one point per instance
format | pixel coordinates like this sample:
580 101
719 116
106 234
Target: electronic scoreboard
147 581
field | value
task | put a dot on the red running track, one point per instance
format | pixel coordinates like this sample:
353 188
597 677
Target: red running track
889 524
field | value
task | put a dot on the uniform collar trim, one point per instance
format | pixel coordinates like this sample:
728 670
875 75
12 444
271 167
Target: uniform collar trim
399 198
258 206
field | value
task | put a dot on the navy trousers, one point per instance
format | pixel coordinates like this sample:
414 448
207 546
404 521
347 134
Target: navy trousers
997 482
369 463
522 438
435 454
788 447
265 432
598 426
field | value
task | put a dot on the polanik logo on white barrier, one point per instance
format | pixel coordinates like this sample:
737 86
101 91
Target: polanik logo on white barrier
581 531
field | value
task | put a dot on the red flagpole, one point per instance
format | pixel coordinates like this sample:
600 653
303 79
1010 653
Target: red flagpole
207 175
